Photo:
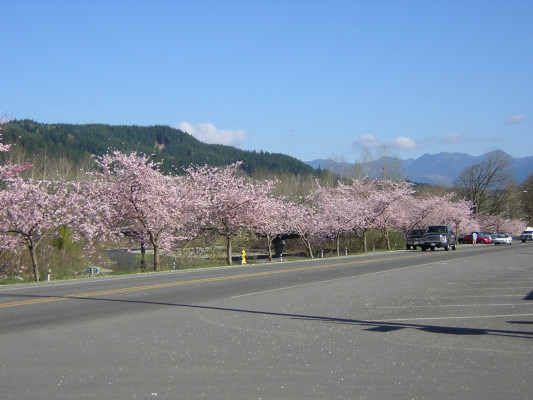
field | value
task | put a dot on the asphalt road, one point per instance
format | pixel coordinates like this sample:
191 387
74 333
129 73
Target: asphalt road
402 325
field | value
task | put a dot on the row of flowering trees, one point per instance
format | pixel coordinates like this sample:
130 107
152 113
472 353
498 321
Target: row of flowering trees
128 195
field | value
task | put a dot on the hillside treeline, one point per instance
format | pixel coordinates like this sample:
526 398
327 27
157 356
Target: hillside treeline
71 146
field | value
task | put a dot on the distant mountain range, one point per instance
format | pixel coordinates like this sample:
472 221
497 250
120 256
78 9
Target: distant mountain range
175 149
438 169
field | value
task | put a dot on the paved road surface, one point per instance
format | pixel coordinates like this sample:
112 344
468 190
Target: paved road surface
402 325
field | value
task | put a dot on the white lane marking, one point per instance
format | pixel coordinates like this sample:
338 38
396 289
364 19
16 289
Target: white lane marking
286 287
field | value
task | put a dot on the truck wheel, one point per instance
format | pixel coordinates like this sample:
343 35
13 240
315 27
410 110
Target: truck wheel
423 248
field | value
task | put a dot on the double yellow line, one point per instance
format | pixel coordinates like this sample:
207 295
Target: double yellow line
189 282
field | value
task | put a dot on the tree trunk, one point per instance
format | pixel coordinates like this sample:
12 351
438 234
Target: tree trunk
33 255
269 241
228 250
310 249
385 234
157 265
155 245
338 239
307 242
143 253
364 236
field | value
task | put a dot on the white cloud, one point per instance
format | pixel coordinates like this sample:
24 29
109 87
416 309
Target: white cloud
366 142
208 133
454 138
515 119
185 127
403 143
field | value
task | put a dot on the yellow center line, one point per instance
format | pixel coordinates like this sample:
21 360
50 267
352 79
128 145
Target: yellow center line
191 282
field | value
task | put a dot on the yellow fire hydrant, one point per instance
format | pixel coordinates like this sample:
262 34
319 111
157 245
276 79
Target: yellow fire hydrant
243 256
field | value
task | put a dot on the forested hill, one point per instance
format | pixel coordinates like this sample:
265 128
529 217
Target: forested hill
175 148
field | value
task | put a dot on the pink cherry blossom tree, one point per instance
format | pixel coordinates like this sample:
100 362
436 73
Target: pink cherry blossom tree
135 198
30 211
273 220
370 200
500 223
456 213
9 169
390 197
305 221
10 239
423 210
460 215
415 211
3 147
226 203
513 226
335 206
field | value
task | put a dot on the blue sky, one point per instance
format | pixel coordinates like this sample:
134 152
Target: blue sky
311 79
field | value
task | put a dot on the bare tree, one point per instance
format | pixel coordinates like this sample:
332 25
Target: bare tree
346 169
527 197
486 184
383 164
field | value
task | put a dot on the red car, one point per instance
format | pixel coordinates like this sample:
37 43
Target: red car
482 238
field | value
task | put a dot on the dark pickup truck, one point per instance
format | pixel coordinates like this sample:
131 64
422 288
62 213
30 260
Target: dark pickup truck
439 236
414 238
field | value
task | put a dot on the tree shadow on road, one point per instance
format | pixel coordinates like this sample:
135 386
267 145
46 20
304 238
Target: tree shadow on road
384 327
378 326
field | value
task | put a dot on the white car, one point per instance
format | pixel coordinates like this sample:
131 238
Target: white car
502 238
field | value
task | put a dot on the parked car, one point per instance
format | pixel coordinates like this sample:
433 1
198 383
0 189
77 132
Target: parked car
481 238
503 238
467 239
486 238
439 236
415 238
